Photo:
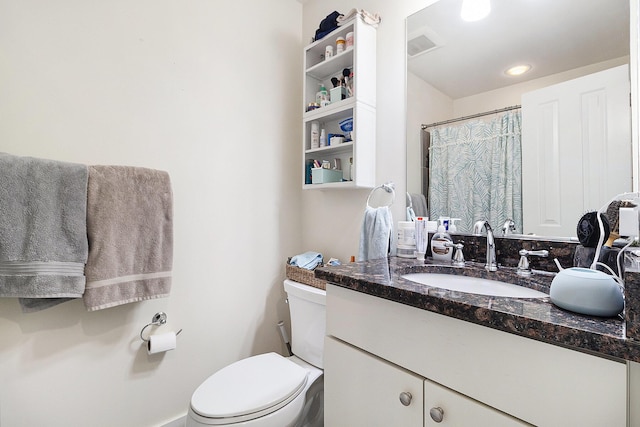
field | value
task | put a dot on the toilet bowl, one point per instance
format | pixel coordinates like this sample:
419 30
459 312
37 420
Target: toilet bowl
269 390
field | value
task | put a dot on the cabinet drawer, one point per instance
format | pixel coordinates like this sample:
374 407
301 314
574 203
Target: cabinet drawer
363 390
458 410
537 382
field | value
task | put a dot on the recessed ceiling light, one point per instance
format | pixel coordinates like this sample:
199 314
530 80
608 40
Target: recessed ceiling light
518 70
475 10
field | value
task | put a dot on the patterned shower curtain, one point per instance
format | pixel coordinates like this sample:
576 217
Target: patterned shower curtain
476 172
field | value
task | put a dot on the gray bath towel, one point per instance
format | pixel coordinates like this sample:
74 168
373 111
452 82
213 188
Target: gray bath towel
130 230
43 241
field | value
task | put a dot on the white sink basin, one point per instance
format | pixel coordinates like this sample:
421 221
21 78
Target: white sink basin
474 285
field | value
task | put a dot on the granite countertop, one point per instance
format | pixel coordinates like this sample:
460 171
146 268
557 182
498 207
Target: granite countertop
538 319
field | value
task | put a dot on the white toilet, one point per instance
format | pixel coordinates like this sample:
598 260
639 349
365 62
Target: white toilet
269 390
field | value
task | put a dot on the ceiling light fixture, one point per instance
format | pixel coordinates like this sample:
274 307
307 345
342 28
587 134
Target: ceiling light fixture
518 70
475 10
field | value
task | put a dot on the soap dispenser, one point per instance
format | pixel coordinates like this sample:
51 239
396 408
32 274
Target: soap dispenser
442 245
322 96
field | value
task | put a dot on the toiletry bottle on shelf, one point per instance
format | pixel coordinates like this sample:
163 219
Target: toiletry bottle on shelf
340 45
315 135
323 138
328 52
322 96
439 251
453 225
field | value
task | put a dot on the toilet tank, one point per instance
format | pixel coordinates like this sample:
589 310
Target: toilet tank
307 306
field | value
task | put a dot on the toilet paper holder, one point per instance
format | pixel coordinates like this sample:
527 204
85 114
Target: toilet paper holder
158 319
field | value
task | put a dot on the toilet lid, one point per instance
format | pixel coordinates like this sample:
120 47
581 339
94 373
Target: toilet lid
253 385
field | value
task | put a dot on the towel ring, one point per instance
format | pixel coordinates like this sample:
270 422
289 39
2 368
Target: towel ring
158 319
388 187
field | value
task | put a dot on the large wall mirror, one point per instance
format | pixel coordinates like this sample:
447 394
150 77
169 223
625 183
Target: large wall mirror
456 69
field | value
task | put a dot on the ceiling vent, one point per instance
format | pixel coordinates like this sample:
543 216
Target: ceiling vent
420 44
421 41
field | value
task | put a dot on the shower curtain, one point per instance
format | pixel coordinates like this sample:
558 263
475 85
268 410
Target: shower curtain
476 172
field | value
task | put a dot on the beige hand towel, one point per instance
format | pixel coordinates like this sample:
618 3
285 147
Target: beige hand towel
130 231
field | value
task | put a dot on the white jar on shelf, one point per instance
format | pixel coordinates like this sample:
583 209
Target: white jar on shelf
328 52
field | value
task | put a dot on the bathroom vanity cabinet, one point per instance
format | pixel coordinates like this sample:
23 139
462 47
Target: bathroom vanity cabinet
361 107
383 394
378 352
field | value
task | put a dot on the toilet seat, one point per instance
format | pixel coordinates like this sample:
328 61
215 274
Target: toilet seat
248 389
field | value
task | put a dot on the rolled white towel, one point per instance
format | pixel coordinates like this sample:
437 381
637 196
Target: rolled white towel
372 19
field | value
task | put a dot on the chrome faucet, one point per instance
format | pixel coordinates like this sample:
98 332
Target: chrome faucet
491 264
509 227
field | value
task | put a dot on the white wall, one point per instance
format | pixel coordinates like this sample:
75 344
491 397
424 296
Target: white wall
332 219
210 92
425 104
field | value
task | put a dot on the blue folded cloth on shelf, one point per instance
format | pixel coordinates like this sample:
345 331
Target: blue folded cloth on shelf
308 260
327 25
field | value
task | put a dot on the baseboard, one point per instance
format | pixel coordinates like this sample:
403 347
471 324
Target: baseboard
178 422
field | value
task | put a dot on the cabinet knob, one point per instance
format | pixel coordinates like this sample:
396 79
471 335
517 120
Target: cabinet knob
437 414
405 398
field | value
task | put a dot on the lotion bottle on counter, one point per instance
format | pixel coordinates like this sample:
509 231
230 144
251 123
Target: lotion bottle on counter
440 251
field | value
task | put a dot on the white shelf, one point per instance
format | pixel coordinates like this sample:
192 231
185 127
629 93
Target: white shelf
332 149
361 60
314 53
331 186
331 111
327 68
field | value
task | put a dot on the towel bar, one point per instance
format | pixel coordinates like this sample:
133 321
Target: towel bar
158 319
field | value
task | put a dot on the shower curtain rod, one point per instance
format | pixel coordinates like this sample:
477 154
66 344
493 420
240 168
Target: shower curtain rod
473 116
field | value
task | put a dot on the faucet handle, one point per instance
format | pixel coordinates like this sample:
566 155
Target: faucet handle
524 268
509 227
458 256
541 253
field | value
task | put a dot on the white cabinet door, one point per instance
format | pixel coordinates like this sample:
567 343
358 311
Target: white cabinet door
634 394
363 390
575 149
444 407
